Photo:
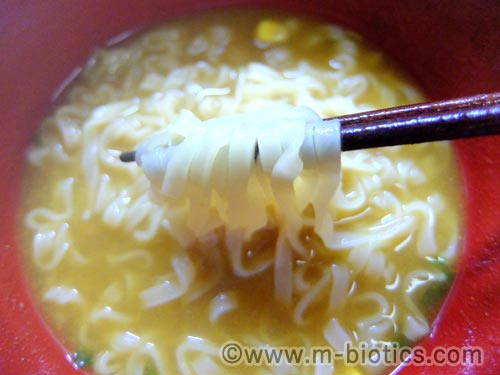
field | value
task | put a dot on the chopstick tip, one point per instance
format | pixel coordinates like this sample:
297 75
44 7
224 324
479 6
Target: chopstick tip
127 156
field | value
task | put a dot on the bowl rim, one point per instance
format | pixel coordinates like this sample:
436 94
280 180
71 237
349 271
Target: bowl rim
471 315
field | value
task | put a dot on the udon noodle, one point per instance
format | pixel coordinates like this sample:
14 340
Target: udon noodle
136 286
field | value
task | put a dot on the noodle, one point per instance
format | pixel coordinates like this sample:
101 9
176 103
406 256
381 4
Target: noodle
138 269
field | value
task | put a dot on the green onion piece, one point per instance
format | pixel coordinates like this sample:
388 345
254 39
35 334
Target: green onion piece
82 358
431 298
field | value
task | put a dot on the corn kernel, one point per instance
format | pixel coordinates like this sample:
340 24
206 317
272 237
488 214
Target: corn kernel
271 31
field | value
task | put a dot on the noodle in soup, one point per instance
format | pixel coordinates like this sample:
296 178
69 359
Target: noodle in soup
130 291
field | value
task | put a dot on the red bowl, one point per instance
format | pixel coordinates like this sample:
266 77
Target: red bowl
450 47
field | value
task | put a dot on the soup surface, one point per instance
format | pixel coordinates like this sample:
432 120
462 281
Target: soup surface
123 290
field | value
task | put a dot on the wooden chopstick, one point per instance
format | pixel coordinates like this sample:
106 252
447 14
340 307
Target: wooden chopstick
466 117
445 120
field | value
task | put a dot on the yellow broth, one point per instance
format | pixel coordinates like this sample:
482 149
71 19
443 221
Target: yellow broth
89 264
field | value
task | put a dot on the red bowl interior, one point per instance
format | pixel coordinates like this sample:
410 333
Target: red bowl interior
450 47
